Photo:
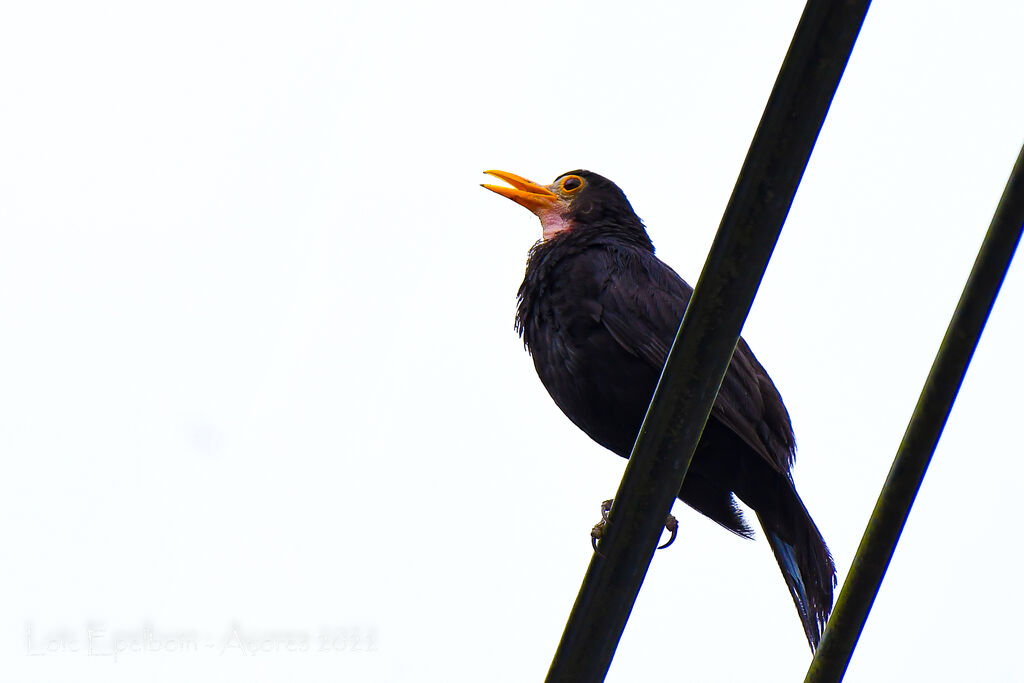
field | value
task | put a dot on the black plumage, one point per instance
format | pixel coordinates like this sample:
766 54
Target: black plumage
598 312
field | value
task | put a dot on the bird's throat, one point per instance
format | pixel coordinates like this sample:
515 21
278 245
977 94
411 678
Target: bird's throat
553 223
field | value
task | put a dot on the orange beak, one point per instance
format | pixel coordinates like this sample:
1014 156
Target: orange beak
524 192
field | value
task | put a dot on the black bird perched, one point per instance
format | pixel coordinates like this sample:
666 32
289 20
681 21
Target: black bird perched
598 311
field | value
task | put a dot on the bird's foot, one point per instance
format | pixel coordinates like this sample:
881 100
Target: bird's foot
598 531
671 524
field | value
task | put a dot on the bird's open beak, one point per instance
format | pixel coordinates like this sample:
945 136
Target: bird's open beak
524 192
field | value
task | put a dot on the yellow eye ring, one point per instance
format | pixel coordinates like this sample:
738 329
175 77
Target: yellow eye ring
571 184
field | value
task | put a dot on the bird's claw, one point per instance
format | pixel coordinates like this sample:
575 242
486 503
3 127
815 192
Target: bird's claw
596 533
671 524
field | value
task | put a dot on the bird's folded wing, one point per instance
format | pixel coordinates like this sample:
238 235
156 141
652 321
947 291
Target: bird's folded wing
748 402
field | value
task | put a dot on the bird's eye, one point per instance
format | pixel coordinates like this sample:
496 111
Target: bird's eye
572 183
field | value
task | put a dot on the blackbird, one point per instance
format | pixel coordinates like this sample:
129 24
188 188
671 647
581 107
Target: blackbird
598 312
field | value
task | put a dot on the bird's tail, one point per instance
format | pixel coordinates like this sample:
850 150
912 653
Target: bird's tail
805 562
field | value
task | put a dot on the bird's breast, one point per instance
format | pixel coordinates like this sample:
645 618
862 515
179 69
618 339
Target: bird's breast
600 386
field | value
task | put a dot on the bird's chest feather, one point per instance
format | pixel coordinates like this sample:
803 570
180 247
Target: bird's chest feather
597 383
561 319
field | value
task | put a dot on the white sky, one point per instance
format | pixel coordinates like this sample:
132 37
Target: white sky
258 377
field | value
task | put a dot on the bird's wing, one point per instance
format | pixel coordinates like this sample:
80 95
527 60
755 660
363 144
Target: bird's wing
749 404
641 309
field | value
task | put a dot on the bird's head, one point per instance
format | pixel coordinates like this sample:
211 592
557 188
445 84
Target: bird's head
576 200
